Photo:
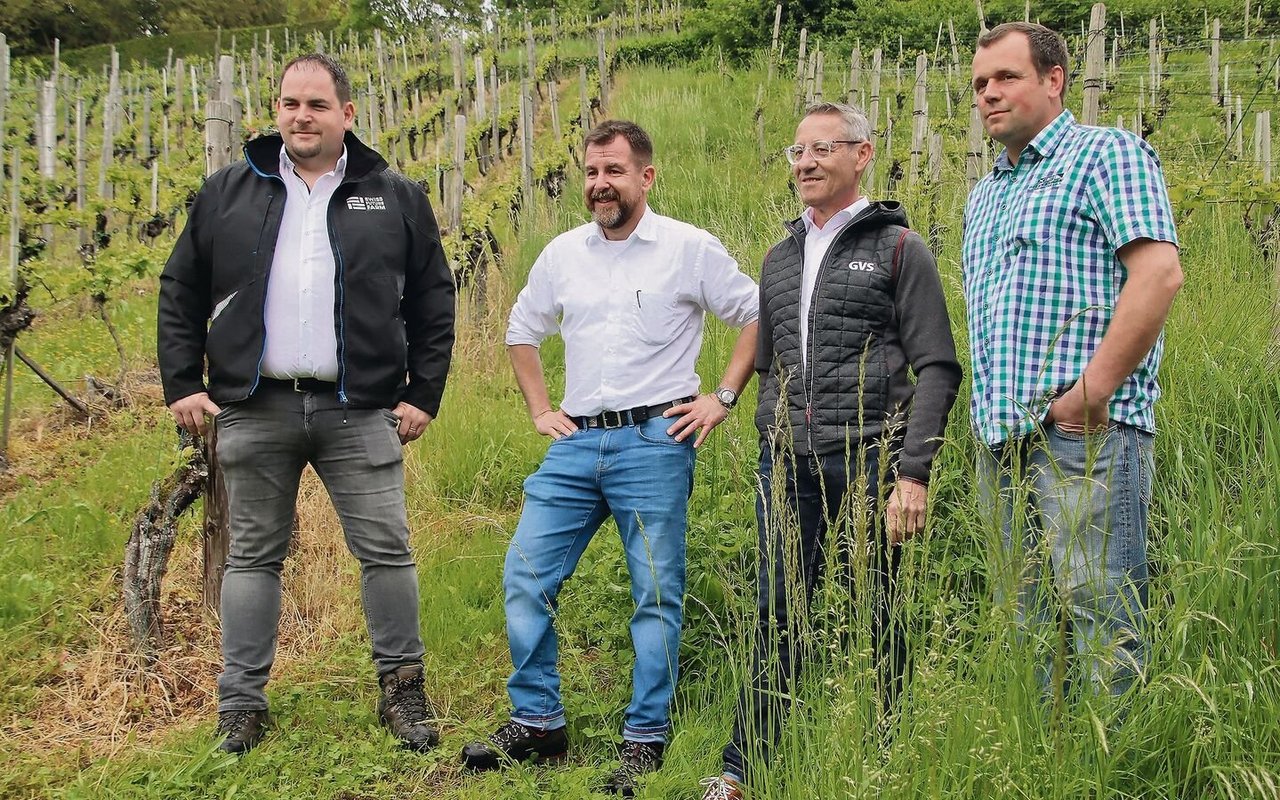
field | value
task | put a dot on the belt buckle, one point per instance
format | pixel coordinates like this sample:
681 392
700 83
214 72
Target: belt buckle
296 387
617 415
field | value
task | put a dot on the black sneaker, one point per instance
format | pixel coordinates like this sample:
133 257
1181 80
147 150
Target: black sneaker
638 758
241 729
518 743
403 708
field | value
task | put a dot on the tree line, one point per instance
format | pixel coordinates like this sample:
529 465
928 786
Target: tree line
31 26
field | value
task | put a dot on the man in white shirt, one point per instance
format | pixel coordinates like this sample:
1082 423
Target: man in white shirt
627 292
310 281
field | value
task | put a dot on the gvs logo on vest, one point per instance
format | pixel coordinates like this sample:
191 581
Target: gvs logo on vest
862 266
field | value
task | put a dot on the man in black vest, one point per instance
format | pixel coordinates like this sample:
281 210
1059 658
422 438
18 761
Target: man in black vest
849 300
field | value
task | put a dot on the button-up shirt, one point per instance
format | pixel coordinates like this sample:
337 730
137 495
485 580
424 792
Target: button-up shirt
630 312
1041 274
817 241
301 341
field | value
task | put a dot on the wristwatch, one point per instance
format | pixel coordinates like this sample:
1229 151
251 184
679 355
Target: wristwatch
727 397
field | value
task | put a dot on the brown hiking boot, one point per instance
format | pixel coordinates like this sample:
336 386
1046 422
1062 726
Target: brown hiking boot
241 729
720 788
516 742
404 710
638 758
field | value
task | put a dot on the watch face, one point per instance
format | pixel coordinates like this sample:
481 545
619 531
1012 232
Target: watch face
727 396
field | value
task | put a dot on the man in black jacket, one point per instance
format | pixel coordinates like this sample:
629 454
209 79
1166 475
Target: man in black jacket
310 281
849 300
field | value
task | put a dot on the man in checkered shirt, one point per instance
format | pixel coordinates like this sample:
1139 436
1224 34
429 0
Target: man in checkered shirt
1070 268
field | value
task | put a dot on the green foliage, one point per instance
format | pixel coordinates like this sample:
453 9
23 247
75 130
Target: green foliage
661 49
154 50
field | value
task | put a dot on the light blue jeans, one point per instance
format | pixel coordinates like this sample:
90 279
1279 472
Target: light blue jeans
643 477
1072 510
263 445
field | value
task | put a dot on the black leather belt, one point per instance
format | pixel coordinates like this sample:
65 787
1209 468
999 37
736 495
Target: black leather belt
299 385
631 416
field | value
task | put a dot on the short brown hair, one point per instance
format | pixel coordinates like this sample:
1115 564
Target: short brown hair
610 129
341 83
1048 48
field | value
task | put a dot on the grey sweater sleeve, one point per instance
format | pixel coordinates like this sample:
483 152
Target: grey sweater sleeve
924 328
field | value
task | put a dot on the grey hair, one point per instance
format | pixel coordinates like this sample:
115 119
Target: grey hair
855 122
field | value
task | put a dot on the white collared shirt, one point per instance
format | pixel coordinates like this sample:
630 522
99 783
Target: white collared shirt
301 340
630 313
817 241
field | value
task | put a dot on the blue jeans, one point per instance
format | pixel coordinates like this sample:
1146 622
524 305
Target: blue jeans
806 506
263 445
643 477
1072 514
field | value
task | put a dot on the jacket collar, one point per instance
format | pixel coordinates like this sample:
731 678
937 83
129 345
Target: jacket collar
878 213
263 155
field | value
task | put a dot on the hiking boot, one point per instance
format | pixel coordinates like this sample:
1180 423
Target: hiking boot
720 788
241 729
517 742
638 758
404 710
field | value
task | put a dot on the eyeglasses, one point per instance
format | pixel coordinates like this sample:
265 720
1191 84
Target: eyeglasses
819 150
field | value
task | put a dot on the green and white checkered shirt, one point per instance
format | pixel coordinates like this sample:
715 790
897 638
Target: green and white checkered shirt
1041 274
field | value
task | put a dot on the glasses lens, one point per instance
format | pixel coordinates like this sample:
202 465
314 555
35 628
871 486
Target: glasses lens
793 153
821 150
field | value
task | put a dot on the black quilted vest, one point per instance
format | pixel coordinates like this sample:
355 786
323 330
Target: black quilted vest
843 396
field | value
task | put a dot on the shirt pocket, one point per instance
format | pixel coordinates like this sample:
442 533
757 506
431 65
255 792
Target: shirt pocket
657 316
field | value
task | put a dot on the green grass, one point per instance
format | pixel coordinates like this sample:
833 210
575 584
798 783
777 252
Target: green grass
971 724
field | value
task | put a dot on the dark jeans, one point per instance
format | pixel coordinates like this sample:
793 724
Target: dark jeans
824 508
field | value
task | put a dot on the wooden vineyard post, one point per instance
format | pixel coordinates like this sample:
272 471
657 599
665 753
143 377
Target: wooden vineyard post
553 100
526 150
919 116
973 158
1214 56
4 98
1095 52
801 56
854 98
773 46
14 210
584 112
46 144
602 62
80 171
459 163
220 120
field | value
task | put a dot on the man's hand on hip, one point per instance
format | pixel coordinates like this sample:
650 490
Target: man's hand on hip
1078 410
413 421
905 512
554 423
192 412
701 414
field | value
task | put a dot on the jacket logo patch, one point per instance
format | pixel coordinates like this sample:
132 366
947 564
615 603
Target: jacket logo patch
357 203
862 266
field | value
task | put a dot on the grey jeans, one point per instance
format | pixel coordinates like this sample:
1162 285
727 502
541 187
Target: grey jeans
263 445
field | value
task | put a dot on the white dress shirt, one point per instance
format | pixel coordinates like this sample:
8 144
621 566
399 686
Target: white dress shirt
817 241
631 312
301 340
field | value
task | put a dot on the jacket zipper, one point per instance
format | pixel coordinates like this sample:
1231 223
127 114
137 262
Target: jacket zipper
262 354
812 323
341 327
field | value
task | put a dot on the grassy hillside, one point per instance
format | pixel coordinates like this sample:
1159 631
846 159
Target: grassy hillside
82 721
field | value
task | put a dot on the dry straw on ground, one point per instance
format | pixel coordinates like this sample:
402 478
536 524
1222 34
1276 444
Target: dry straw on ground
103 696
